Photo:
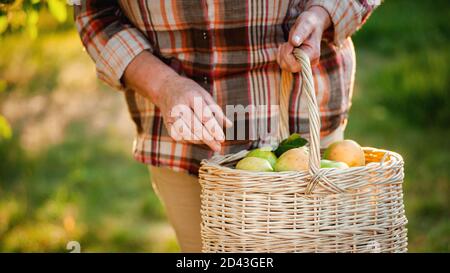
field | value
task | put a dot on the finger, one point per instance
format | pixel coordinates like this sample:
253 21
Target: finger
300 31
217 111
311 47
280 59
179 130
201 133
194 128
284 65
190 135
173 133
212 125
283 51
288 60
205 136
204 114
176 132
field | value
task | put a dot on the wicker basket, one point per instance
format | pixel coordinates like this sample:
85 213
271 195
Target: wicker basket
358 209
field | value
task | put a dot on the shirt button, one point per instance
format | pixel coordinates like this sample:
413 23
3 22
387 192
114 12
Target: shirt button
205 80
205 35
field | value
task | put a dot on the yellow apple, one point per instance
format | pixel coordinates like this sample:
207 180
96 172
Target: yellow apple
296 159
347 151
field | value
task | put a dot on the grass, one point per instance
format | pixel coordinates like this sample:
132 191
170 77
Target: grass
67 172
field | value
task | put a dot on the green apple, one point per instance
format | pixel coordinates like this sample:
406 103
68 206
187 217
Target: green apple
255 164
325 164
264 153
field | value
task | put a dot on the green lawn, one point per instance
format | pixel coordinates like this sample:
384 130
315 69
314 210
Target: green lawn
67 172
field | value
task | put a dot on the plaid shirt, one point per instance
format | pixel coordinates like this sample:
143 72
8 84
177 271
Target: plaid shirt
229 48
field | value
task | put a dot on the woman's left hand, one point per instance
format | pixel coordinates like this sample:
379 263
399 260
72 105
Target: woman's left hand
307 34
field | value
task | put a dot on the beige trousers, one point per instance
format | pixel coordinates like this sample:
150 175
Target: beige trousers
180 194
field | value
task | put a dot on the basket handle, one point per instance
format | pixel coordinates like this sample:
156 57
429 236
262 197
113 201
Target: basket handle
307 86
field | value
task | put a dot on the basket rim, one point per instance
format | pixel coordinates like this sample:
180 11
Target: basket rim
331 180
217 161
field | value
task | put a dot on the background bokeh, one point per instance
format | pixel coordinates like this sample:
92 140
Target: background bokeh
66 171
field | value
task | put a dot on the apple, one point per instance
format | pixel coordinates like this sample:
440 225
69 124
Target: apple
264 153
325 164
296 159
255 164
347 151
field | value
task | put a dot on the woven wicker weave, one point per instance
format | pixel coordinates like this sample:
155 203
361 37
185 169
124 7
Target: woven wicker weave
358 209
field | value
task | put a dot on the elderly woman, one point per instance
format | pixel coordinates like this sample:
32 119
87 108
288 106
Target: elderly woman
209 55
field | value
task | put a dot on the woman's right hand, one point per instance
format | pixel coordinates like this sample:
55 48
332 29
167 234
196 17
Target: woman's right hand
189 112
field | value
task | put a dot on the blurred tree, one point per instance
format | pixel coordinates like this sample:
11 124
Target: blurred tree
23 15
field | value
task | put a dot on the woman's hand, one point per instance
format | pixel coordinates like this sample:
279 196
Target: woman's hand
307 34
189 112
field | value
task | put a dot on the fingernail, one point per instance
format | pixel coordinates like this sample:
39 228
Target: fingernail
296 40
